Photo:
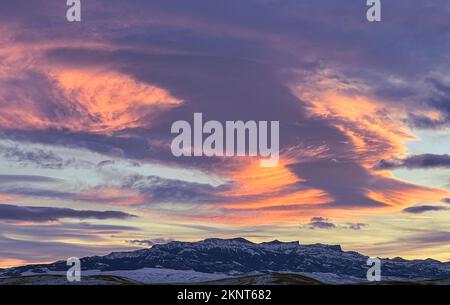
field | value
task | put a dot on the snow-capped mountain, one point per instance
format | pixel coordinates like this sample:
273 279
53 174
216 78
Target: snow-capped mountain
237 257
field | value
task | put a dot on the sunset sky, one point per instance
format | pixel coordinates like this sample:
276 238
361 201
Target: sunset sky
86 110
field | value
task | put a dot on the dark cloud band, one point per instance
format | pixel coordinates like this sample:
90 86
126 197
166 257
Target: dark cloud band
42 214
423 161
424 208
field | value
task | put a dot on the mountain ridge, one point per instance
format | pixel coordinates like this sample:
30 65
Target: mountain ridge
239 256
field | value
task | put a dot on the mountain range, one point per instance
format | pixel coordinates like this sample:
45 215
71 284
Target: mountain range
215 260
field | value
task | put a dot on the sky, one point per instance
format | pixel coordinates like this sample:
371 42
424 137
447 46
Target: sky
86 110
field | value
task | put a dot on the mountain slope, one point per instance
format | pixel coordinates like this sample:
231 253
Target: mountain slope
266 279
61 280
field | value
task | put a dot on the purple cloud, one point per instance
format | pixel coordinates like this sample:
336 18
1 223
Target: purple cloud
149 242
355 226
424 208
320 223
326 223
43 214
424 161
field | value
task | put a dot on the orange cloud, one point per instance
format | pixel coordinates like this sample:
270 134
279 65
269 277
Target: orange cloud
119 197
374 134
37 94
95 101
276 193
107 101
6 197
12 262
398 193
265 195
375 130
374 127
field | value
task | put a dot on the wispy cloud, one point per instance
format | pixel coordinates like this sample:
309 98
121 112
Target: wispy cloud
42 214
149 242
425 208
424 161
438 101
320 223
326 223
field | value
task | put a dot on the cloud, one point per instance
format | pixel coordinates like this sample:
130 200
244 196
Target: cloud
160 190
230 85
430 238
440 101
424 208
347 182
40 157
230 230
352 189
78 99
424 161
446 200
102 228
320 223
105 163
411 243
318 219
149 242
326 223
100 91
37 248
43 214
42 242
95 195
355 226
4 179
